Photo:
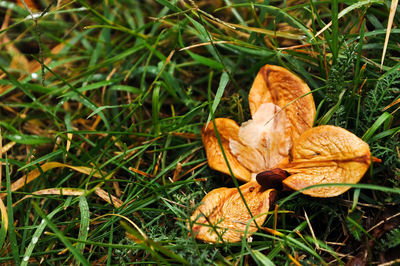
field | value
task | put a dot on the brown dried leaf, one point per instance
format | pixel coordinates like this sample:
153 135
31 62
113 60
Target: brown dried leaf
111 199
326 154
32 175
224 209
228 129
274 84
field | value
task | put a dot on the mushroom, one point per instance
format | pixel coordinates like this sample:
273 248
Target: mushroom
277 147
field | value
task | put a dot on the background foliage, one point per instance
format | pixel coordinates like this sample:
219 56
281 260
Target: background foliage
101 107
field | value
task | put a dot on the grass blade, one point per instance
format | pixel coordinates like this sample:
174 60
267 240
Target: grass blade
156 108
335 30
11 229
393 8
220 91
36 235
382 119
84 226
78 256
261 258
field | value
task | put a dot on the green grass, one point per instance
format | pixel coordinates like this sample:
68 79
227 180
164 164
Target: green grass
121 98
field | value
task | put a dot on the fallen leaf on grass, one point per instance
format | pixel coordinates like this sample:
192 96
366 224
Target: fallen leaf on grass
282 108
278 146
326 154
222 215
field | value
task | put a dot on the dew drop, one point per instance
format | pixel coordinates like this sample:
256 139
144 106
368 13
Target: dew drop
26 258
34 240
34 75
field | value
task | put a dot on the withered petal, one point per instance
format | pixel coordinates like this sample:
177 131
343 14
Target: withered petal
274 84
222 214
228 129
327 154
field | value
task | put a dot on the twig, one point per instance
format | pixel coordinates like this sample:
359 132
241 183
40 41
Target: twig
35 18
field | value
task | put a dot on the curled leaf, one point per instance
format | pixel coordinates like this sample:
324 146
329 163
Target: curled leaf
326 154
228 129
222 215
274 84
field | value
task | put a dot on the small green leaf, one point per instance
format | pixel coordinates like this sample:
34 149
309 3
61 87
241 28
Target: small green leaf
381 119
220 91
206 61
264 260
28 139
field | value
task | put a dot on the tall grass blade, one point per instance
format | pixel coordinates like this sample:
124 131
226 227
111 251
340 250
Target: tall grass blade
381 119
220 92
11 229
37 234
393 8
84 225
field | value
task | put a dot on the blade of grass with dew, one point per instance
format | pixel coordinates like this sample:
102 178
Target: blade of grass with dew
77 255
84 225
39 230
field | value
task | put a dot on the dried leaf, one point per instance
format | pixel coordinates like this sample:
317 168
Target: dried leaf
222 213
108 197
393 8
326 154
53 191
228 129
274 84
32 175
3 215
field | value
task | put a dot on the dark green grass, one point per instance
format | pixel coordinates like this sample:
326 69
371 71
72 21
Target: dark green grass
131 99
